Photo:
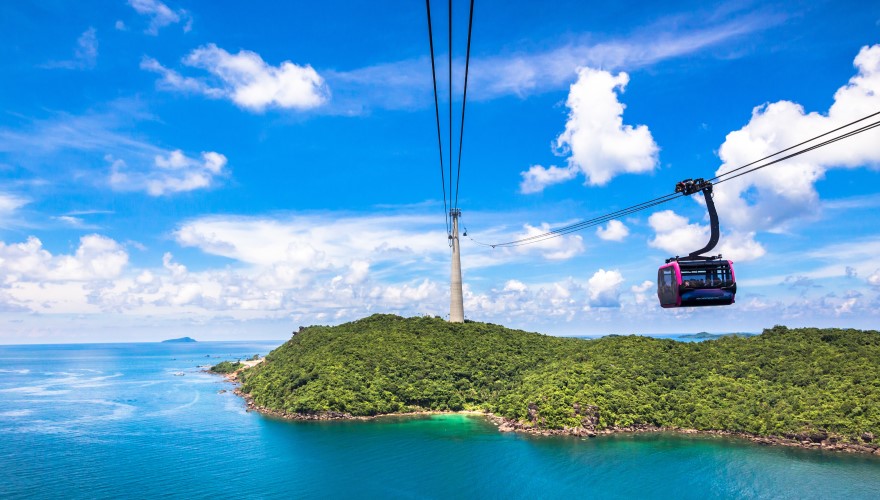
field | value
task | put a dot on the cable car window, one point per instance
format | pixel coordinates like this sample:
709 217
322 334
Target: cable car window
666 285
706 276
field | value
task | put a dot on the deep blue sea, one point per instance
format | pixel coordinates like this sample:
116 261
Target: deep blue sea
114 421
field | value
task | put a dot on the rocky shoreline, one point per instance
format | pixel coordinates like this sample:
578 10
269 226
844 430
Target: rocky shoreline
335 415
814 441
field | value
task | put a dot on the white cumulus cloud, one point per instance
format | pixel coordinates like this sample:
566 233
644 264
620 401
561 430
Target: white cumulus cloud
312 242
770 198
246 79
569 300
678 236
406 294
599 144
675 234
173 172
604 287
640 292
874 278
357 272
613 231
96 258
536 178
847 305
739 246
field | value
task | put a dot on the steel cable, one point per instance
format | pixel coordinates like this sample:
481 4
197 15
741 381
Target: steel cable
663 199
467 62
437 116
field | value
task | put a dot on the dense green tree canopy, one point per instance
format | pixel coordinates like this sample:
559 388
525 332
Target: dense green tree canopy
783 381
227 367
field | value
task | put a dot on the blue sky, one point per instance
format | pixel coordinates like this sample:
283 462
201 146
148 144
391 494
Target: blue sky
232 171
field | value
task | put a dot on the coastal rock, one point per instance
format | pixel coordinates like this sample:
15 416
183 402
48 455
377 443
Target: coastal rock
832 443
533 412
868 437
818 437
590 417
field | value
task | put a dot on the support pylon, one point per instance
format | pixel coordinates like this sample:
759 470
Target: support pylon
456 306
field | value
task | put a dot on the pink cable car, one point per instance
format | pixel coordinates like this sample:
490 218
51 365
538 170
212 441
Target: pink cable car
695 280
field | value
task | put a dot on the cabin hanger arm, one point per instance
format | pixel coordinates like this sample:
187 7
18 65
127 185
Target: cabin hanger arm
692 186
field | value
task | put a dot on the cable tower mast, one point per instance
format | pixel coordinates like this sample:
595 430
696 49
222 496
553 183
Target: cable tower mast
456 306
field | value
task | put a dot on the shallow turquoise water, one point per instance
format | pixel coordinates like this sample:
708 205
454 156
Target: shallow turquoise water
113 420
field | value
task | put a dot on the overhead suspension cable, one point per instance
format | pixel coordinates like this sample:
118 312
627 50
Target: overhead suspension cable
795 146
467 62
437 116
588 223
450 103
851 133
723 178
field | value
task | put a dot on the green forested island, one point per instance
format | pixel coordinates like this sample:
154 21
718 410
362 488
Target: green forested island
803 384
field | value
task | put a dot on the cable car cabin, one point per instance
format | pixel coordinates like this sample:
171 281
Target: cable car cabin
696 283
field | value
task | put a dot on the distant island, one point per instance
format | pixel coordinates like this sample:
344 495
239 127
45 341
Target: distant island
808 387
180 340
712 336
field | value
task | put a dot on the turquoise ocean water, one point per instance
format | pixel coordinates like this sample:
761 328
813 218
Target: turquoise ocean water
118 421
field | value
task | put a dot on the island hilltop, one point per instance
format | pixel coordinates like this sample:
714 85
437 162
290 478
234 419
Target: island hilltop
182 340
806 387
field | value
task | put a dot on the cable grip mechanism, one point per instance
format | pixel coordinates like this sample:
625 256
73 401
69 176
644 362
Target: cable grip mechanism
693 186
